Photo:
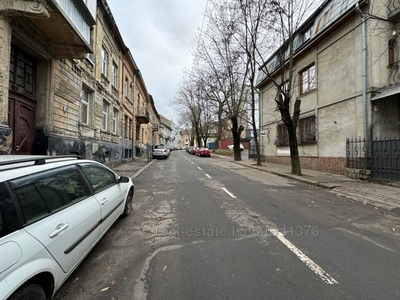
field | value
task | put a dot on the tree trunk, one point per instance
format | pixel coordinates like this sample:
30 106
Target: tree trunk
294 150
236 131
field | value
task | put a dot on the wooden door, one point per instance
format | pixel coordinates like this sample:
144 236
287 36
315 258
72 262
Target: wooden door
22 123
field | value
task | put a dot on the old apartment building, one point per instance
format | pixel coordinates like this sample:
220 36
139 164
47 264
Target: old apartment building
346 70
69 84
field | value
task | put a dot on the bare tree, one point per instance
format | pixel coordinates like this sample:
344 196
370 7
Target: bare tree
221 55
289 16
189 101
254 19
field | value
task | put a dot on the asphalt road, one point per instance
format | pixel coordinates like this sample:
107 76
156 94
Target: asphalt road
206 228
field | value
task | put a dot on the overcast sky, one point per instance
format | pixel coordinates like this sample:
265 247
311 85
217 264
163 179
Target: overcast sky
160 35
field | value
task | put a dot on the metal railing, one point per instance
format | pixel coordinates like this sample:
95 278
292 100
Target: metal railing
358 154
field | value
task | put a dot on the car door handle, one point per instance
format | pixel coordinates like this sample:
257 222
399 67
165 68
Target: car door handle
105 200
59 228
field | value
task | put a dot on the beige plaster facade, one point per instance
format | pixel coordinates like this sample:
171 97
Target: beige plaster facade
341 104
81 91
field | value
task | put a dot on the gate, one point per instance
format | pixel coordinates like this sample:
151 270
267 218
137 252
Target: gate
253 150
386 159
385 152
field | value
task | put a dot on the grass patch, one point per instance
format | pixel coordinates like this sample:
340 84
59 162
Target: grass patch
223 152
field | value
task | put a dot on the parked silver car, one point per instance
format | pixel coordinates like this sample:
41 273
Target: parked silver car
53 211
161 151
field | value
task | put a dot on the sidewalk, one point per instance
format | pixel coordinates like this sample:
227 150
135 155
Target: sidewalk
132 168
375 194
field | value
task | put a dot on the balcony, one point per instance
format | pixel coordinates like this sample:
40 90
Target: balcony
142 116
66 23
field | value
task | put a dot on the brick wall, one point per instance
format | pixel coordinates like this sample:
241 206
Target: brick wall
336 165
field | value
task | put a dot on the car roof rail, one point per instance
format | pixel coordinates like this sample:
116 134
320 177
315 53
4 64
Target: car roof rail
39 160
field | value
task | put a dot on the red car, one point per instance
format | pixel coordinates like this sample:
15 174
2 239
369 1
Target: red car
193 151
203 152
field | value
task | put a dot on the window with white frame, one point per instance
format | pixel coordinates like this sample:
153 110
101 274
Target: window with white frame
115 121
126 86
85 106
104 62
307 80
114 75
106 109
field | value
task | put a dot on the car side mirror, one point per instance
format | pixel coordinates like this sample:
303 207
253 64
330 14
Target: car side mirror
123 179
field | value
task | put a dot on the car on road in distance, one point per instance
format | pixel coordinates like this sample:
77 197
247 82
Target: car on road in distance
193 150
202 151
53 211
161 151
230 146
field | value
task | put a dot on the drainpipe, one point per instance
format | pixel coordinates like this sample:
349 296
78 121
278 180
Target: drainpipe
364 70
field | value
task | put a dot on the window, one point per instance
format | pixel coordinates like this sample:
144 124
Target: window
106 109
392 51
114 74
47 192
306 130
126 86
85 102
8 215
307 80
322 21
307 34
104 62
131 92
115 121
282 138
99 177
128 126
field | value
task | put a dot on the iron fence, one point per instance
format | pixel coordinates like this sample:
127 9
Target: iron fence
358 154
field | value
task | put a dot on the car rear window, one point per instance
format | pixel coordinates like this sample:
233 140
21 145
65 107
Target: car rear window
8 214
159 147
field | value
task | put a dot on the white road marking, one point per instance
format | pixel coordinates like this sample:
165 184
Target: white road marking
208 176
199 168
328 279
229 193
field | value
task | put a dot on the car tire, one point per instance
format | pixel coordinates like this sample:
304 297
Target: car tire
128 204
30 291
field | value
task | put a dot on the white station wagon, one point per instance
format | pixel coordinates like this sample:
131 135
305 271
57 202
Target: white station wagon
53 211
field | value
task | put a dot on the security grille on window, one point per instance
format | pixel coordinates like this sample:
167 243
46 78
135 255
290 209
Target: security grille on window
282 138
105 112
307 79
85 107
104 62
306 130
